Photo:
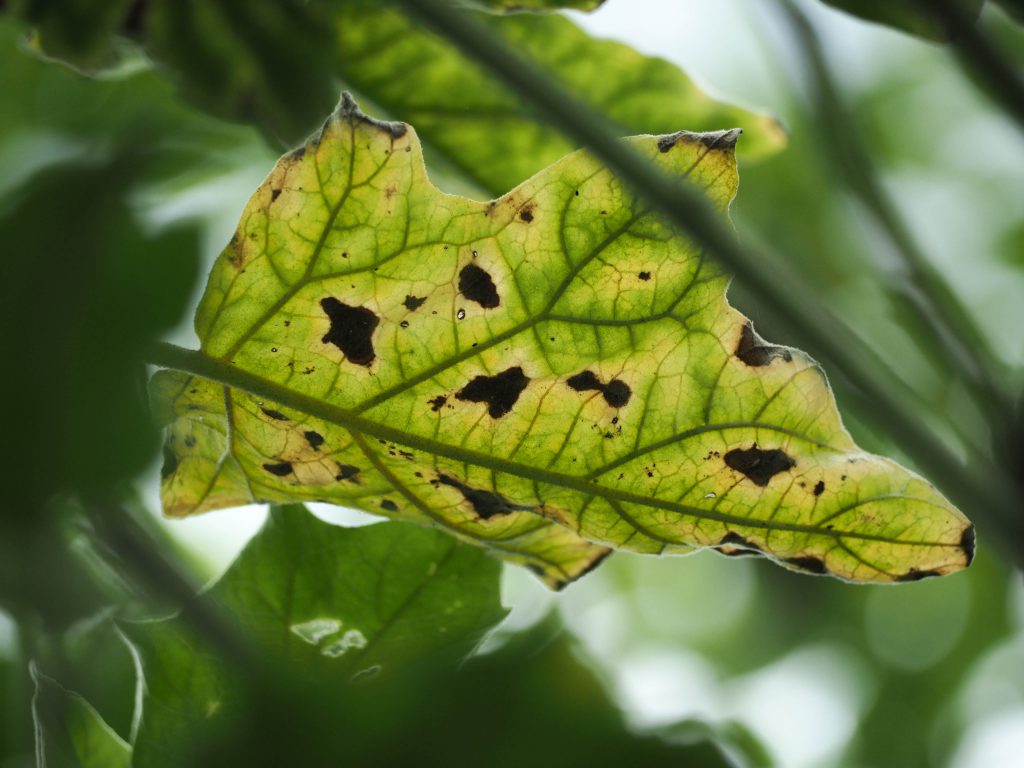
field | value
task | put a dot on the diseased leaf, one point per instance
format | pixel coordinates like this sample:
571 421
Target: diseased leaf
69 732
552 368
485 130
904 15
338 604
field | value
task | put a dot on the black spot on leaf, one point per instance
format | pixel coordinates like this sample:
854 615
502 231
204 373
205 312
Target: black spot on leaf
389 505
819 488
758 465
616 393
412 303
281 469
583 381
190 441
807 564
526 215
438 403
315 439
485 503
915 575
275 415
734 545
754 351
351 330
476 285
346 472
644 276
500 392
170 465
274 194
967 544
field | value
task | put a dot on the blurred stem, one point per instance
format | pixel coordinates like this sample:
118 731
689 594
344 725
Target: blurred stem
979 55
990 494
924 289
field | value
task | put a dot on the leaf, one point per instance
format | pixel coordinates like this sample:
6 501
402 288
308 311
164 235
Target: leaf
905 15
476 124
551 365
336 604
69 732
536 5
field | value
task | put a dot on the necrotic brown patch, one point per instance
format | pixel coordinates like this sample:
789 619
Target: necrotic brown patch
758 465
351 330
500 392
476 285
412 303
754 351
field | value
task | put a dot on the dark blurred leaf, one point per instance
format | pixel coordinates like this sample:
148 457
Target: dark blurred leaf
535 5
905 15
335 604
70 733
78 31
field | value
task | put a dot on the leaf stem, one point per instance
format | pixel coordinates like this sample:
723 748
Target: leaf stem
992 498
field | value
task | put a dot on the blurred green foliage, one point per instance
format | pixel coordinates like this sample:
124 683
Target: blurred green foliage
91 277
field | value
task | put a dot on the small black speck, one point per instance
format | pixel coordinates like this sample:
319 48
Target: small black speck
526 215
274 194
190 441
389 505
412 303
315 439
275 415
819 488
346 472
438 403
644 275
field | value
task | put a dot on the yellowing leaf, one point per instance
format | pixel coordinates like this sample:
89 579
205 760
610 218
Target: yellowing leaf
550 374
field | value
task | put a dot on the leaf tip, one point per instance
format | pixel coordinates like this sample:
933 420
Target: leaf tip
967 544
712 140
349 110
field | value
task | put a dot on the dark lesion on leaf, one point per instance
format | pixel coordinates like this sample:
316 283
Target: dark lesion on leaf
348 109
170 463
270 413
819 488
412 303
486 504
807 564
500 392
476 285
351 330
280 469
347 472
711 140
526 214
756 352
757 464
915 575
616 392
274 194
389 505
315 439
967 544
437 403
734 545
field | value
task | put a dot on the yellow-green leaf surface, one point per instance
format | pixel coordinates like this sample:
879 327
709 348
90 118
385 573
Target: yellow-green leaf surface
551 374
472 121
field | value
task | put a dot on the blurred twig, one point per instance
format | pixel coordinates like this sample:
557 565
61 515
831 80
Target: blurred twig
990 495
952 328
979 55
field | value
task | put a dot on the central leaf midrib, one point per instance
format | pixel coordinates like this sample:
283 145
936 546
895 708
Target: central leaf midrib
200 364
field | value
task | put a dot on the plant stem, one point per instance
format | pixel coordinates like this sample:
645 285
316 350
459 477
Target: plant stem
979 55
941 312
787 295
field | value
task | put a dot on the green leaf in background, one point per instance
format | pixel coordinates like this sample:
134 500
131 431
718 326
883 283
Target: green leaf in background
554 363
535 5
335 604
905 15
78 31
482 129
70 733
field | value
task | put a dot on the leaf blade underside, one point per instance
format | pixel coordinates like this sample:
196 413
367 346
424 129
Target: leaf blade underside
552 374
